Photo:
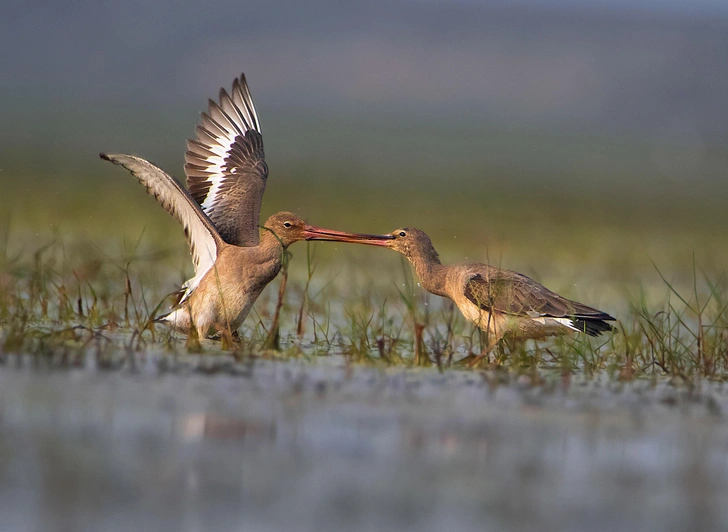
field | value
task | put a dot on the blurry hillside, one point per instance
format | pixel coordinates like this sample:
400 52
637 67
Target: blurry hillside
578 142
438 89
541 126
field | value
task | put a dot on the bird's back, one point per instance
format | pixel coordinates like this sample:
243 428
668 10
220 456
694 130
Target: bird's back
512 294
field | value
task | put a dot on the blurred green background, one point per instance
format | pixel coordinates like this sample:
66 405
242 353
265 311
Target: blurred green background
578 142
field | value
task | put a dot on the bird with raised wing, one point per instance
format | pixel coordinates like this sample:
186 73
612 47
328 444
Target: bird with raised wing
234 258
503 303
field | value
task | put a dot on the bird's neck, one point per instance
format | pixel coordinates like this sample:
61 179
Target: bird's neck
431 273
270 245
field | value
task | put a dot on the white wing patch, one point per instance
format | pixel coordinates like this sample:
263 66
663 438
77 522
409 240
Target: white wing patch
216 164
566 322
217 134
205 264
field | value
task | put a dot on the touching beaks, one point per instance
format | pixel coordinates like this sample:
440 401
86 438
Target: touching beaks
316 233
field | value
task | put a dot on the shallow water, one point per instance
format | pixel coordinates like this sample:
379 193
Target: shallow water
192 444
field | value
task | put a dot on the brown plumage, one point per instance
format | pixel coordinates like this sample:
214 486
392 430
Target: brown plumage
226 174
225 165
503 303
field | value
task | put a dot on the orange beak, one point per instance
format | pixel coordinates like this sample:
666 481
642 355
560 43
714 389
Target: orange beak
316 233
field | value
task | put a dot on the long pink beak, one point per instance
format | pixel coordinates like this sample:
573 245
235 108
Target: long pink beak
316 233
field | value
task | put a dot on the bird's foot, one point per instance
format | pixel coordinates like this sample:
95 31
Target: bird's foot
230 339
483 359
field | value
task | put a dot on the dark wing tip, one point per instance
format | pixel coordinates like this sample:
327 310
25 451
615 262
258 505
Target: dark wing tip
105 157
593 327
601 316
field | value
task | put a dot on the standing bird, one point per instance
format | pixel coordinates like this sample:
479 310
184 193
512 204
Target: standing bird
503 303
226 176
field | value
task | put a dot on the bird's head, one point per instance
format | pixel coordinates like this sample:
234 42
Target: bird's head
286 227
412 242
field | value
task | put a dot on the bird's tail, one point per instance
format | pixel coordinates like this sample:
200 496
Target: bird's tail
593 326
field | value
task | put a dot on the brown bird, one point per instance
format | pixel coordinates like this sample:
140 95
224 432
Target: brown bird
503 303
226 176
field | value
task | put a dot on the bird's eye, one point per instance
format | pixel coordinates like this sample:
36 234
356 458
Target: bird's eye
402 233
287 224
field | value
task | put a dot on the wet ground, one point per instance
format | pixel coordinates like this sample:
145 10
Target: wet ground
197 444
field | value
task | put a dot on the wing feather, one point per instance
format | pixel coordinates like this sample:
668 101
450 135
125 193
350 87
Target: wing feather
516 294
225 165
201 235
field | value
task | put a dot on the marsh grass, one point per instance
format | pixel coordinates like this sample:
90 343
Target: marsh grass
49 308
55 307
80 289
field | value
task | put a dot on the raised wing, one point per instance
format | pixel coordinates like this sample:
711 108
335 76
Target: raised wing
225 166
513 293
201 235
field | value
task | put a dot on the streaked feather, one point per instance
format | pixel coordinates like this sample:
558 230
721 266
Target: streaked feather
515 294
225 165
201 234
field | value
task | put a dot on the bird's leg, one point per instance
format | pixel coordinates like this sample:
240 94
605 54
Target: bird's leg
230 339
491 340
493 333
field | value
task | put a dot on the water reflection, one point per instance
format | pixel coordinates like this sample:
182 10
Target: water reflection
301 446
195 427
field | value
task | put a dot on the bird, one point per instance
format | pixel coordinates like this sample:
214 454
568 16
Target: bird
234 258
503 303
